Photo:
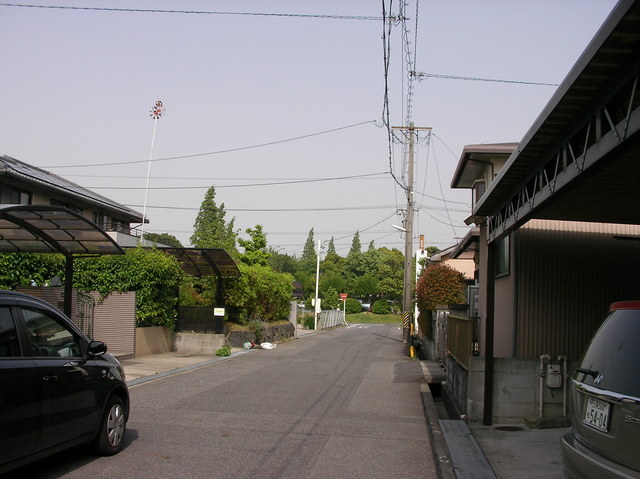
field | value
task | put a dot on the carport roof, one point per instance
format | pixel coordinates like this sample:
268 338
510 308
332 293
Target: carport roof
205 261
607 191
51 229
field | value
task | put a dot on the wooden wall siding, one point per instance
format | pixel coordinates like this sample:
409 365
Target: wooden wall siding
115 322
565 283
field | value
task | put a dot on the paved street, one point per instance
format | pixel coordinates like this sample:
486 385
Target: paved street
345 403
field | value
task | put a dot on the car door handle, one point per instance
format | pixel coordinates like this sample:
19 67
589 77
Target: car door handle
50 379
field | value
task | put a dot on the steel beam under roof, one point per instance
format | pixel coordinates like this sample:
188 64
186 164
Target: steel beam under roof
578 162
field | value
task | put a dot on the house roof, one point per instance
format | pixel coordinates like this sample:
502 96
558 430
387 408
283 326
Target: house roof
16 169
51 229
594 180
469 243
474 159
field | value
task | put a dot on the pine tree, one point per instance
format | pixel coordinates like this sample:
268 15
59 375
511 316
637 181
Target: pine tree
210 229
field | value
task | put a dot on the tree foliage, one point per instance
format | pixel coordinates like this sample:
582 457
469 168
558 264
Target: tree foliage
260 293
153 275
356 246
163 238
211 230
255 248
24 269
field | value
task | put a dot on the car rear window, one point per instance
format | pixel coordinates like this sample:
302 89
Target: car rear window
613 354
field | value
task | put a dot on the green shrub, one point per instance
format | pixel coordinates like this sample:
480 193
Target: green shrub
152 274
353 306
381 306
224 351
309 322
260 293
257 328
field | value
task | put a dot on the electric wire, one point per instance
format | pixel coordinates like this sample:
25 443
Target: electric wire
421 75
192 12
435 160
229 150
386 59
246 185
287 210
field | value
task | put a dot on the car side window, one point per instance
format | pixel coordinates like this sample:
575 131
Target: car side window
9 343
49 337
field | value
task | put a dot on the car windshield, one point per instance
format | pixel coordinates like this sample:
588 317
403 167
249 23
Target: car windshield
613 354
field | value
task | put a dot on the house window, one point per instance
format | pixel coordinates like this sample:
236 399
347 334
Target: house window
502 256
100 219
14 196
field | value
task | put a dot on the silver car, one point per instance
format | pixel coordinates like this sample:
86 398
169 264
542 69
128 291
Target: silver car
604 440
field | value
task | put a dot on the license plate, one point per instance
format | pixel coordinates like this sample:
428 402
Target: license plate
596 414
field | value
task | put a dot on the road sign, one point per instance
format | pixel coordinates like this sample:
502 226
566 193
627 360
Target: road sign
343 296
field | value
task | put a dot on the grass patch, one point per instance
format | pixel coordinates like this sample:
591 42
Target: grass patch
370 318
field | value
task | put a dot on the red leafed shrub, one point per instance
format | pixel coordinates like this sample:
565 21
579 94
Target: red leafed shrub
439 284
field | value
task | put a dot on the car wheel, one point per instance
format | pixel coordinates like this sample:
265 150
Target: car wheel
112 429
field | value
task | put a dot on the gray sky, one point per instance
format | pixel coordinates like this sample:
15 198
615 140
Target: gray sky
78 85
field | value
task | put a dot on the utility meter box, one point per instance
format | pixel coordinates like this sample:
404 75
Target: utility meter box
554 377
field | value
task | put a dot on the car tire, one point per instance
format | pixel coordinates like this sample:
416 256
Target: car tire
112 428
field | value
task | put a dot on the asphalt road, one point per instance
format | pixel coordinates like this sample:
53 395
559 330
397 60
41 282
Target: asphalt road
341 404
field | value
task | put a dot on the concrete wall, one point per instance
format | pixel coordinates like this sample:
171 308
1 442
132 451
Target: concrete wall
457 384
152 340
198 343
515 391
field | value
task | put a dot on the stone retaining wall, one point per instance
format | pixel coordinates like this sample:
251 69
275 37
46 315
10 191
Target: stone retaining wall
272 334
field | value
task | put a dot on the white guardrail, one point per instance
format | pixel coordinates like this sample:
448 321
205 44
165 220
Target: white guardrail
330 318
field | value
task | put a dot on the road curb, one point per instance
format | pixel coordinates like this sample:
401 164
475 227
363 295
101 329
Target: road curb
164 374
439 447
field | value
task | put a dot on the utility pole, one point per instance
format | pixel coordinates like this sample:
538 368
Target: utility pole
407 291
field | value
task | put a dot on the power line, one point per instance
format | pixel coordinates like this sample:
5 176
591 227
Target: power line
421 75
275 210
230 150
210 178
285 210
193 12
246 185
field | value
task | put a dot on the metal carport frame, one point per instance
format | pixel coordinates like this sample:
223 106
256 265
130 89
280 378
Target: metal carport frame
53 229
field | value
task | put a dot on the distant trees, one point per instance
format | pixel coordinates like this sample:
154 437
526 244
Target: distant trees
263 291
163 238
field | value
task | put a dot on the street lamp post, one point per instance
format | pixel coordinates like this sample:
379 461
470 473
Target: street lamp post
316 304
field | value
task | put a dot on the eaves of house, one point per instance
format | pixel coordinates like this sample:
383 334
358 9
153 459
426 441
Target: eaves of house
13 169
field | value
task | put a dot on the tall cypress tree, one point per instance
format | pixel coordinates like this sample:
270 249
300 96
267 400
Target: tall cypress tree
309 251
211 229
331 249
356 246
